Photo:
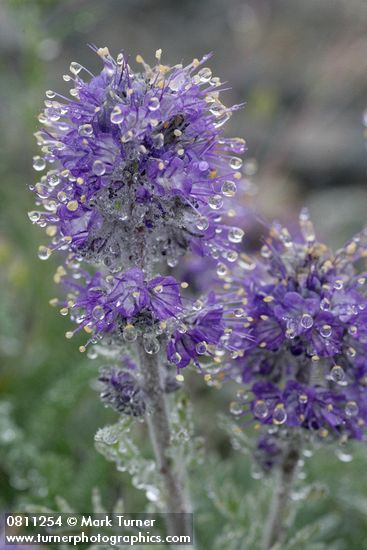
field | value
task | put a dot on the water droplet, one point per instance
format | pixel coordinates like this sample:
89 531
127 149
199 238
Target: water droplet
158 140
337 374
50 94
201 348
75 67
351 409
215 202
217 109
92 353
99 168
221 120
235 235
235 408
39 163
246 262
98 313
177 82
261 409
325 331
44 253
202 223
229 188
53 180
343 456
153 104
338 284
232 256
85 130
303 398
129 333
153 494
176 358
205 74
151 344
203 166
279 414
117 115
240 312
238 145
222 270
306 321
325 304
34 216
235 163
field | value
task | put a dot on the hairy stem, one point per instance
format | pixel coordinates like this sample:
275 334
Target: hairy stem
175 496
276 524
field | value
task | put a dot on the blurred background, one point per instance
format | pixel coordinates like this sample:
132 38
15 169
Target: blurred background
301 68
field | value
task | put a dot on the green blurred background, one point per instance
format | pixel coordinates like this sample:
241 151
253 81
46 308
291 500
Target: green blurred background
301 67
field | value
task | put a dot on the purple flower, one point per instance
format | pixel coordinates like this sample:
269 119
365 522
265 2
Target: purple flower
202 330
120 305
304 346
121 389
142 170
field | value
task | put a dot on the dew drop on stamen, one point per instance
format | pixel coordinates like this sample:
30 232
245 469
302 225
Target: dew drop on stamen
117 115
176 358
75 67
279 414
202 223
92 353
229 188
235 163
85 130
98 168
325 304
238 145
261 409
337 374
151 344
232 256
53 180
129 333
44 252
34 216
236 408
204 74
351 409
235 235
153 104
325 331
98 313
39 163
215 202
306 321
222 270
201 348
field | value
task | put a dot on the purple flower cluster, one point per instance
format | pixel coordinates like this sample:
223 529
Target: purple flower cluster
143 169
117 304
304 344
121 390
139 173
121 387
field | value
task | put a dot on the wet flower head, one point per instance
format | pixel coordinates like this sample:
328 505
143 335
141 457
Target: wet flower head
139 169
304 313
